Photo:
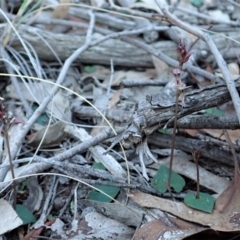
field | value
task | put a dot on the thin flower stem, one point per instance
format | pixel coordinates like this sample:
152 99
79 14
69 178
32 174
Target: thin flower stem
173 142
195 158
5 127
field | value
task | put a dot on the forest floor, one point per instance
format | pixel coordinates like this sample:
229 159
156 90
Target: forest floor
120 120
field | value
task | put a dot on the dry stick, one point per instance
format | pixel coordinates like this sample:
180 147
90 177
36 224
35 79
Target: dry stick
220 61
206 17
66 154
198 179
172 62
196 155
129 11
19 138
192 121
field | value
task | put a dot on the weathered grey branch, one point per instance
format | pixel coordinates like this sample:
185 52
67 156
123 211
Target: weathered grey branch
190 122
148 118
208 149
123 54
209 122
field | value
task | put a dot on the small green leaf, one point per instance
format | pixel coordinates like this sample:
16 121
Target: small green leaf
213 112
50 217
204 203
100 197
98 165
25 214
23 185
72 207
163 131
160 180
89 69
43 119
196 3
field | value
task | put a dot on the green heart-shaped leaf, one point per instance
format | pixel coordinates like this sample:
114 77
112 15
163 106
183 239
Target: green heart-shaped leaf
98 165
100 197
213 112
90 69
160 180
196 3
25 214
204 203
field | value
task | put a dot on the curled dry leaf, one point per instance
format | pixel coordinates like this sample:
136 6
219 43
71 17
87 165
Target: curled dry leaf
33 202
55 134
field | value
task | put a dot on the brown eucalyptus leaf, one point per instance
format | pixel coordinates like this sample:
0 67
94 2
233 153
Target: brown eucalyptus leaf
61 11
55 135
157 229
225 216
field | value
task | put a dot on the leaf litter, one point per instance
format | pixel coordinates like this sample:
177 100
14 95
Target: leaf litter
226 214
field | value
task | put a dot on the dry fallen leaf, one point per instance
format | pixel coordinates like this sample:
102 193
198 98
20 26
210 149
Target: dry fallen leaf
61 11
10 219
233 69
157 229
219 14
217 133
37 91
92 225
159 65
114 100
119 75
54 136
34 233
